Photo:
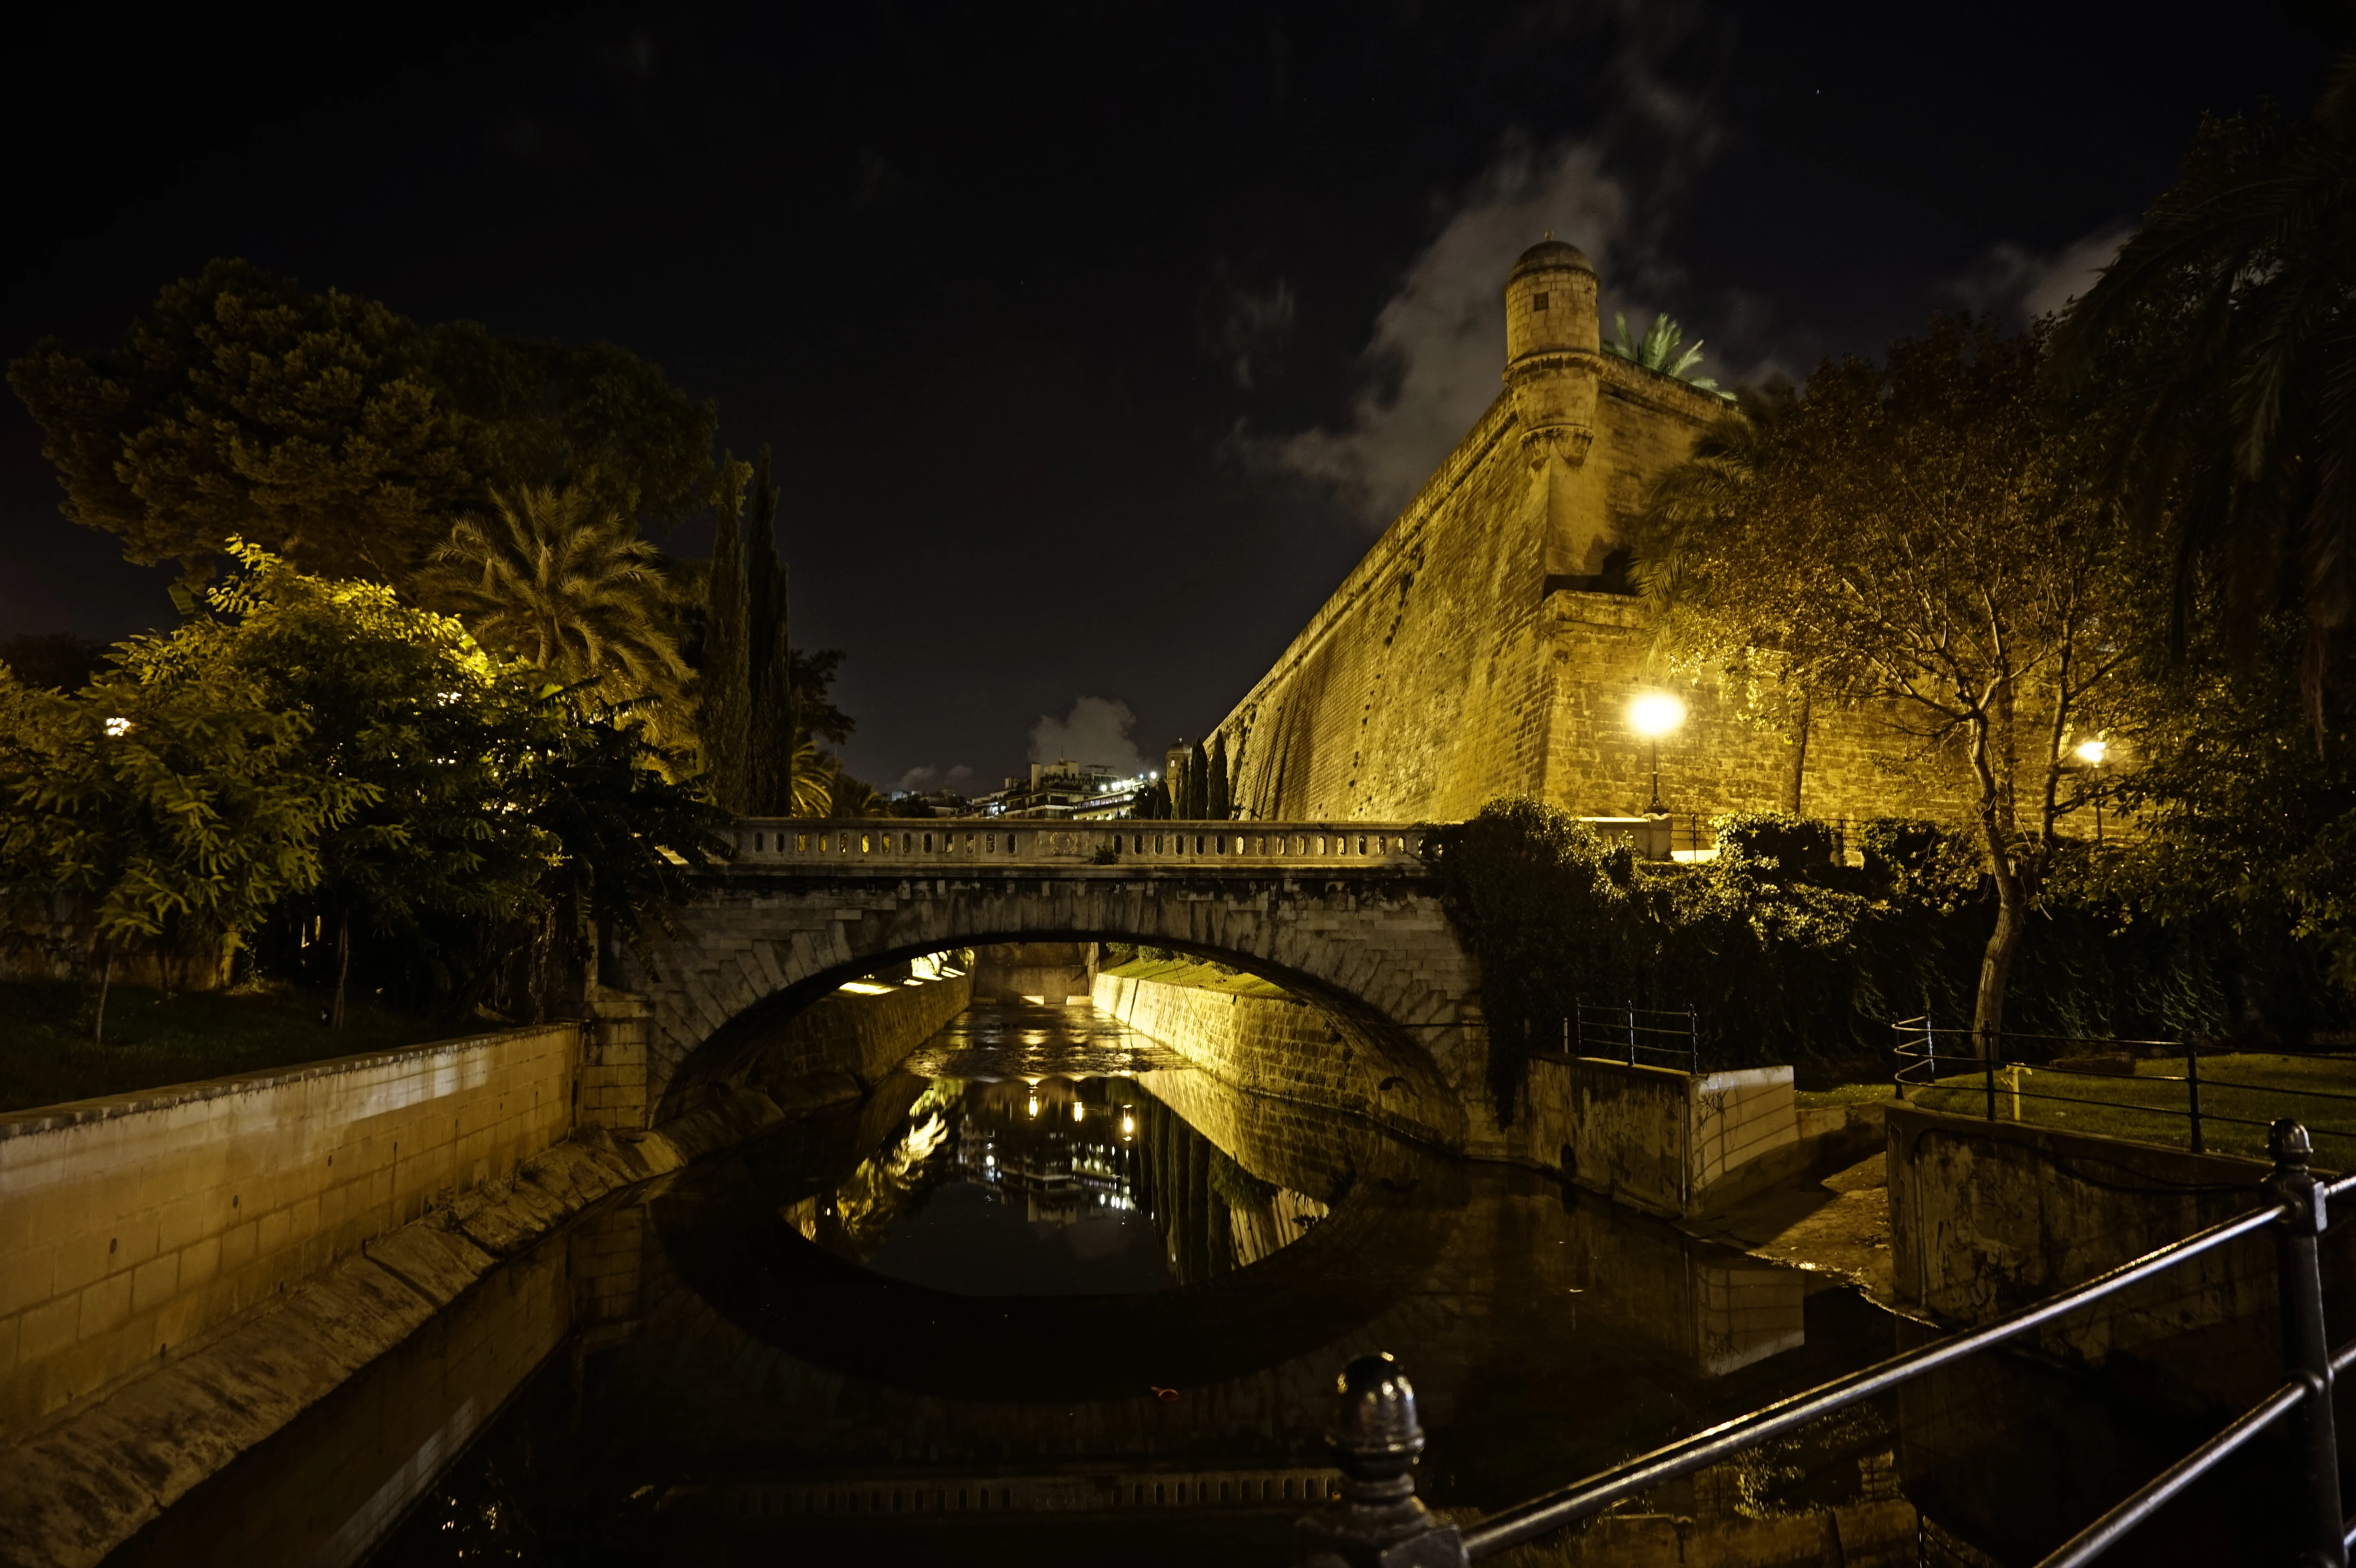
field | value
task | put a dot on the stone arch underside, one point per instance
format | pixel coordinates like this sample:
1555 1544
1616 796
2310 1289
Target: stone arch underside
1372 952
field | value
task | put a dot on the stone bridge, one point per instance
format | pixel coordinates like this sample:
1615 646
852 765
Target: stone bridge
1344 915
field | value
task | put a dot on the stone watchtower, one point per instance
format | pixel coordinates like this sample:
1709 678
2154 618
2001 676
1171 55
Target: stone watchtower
1488 645
1553 367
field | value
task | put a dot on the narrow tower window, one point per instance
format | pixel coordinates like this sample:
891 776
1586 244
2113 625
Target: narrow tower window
1538 301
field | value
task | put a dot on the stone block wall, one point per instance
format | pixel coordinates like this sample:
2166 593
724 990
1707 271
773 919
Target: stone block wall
1985 1217
864 1036
1665 1142
1277 1046
132 1225
1470 655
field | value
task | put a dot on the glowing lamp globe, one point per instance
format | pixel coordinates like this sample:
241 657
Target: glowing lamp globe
2092 752
1654 713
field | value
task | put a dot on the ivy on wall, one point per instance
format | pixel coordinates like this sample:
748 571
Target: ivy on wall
1786 954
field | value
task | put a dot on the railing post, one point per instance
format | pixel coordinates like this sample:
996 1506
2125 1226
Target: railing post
2192 1083
1693 1040
1377 1521
2306 1352
1988 1064
1631 1034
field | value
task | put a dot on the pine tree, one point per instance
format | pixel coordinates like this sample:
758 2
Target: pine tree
1198 785
1222 799
727 705
770 698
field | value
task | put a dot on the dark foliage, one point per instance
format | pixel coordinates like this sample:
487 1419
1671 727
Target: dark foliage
1788 954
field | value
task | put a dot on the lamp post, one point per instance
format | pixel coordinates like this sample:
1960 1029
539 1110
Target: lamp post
1653 715
2092 752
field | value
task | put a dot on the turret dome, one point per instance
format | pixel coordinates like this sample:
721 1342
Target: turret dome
1551 255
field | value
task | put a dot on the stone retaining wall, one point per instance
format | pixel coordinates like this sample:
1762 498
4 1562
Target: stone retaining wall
1985 1217
1665 1142
134 1224
1283 1048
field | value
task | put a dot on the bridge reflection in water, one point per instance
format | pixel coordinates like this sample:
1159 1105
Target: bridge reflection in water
804 1348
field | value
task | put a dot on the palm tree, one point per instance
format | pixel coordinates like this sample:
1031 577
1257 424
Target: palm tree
2230 322
1663 349
569 587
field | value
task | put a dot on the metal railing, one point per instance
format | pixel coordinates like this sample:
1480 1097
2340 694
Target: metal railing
1376 1438
1941 1060
1636 1035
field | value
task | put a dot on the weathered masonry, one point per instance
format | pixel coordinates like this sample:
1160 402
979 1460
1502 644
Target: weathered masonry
1486 645
1341 914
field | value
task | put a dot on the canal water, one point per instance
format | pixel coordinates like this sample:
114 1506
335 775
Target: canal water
1048 1295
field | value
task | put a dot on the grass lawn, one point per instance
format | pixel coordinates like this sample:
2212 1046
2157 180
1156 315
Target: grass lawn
2253 1087
1202 976
158 1038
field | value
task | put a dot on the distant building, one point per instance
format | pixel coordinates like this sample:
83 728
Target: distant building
1063 789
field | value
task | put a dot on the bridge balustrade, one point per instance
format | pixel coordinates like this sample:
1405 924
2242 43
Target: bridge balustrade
816 843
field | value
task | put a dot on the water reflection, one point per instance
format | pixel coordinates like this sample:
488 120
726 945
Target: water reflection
1068 1185
939 1325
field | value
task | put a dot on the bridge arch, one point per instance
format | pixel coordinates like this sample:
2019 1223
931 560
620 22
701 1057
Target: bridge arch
1358 934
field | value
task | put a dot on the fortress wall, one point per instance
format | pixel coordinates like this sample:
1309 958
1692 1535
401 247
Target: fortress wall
1468 656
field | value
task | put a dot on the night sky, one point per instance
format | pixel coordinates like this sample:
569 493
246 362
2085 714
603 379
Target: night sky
1096 341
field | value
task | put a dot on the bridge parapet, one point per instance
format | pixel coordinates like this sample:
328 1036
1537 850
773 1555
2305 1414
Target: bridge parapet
817 845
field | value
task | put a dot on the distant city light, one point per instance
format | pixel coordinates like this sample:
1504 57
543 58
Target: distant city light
1035 1105
1128 1125
118 728
1076 1112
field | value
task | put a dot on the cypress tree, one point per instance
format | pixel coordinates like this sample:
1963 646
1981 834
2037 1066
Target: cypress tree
1221 800
769 696
727 707
1198 785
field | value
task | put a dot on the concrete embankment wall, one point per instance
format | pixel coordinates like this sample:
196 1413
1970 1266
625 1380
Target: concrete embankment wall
1665 1142
1281 1047
1988 1216
134 1224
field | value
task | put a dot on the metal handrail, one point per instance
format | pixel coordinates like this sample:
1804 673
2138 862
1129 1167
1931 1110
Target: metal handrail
1377 1439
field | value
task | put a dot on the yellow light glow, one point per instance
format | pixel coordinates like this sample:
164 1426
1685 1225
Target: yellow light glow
1035 1105
1077 1113
1128 1125
1654 714
2092 751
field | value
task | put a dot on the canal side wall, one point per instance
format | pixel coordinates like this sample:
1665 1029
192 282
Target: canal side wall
1985 1217
1669 1143
136 1222
1278 1047
844 1034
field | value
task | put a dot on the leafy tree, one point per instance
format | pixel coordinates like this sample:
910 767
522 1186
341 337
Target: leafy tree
2234 810
172 793
1152 804
1198 785
1662 349
2226 329
1220 803
338 432
1916 537
565 585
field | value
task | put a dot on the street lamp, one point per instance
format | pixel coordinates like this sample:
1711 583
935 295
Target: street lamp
2092 752
1653 715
